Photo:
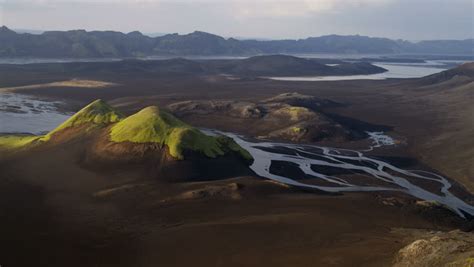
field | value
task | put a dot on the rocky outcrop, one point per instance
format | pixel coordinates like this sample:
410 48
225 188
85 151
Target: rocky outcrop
288 116
453 249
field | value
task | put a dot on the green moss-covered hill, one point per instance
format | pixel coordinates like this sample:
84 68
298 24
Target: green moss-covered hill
150 125
96 114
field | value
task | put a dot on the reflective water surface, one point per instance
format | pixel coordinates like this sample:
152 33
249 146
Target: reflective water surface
377 175
24 114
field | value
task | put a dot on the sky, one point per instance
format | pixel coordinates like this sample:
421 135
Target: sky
269 19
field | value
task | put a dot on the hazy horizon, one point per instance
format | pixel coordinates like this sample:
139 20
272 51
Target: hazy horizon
269 19
155 34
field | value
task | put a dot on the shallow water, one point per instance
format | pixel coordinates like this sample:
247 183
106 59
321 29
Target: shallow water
24 114
412 70
311 160
379 139
22 61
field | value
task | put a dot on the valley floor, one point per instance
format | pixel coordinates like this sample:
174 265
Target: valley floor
57 212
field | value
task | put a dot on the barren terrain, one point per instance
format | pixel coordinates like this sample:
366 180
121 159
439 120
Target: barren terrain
74 213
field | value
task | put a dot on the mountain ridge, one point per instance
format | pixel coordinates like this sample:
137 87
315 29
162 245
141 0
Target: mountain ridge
103 44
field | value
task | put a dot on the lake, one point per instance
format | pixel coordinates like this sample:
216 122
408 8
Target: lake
24 114
395 70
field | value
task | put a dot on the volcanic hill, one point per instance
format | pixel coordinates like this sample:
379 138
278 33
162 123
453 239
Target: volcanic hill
151 137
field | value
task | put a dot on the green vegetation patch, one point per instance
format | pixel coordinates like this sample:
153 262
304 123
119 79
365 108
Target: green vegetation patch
297 130
233 146
295 113
151 125
17 141
97 113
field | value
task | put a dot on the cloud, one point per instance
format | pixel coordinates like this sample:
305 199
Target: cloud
408 19
238 9
275 8
288 8
301 5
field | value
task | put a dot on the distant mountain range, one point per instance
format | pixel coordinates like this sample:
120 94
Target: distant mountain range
103 44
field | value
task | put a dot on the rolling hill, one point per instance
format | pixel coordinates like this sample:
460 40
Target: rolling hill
268 65
95 115
284 65
106 135
151 125
451 146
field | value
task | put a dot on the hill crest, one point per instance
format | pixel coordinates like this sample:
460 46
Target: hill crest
150 125
153 125
97 113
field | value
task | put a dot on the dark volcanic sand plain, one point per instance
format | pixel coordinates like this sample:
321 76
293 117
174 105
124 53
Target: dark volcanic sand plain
57 212
433 115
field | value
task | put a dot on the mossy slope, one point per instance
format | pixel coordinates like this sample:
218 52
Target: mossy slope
152 125
295 113
17 141
96 114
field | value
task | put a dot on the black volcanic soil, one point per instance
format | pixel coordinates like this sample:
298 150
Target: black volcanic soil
430 116
55 212
284 65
